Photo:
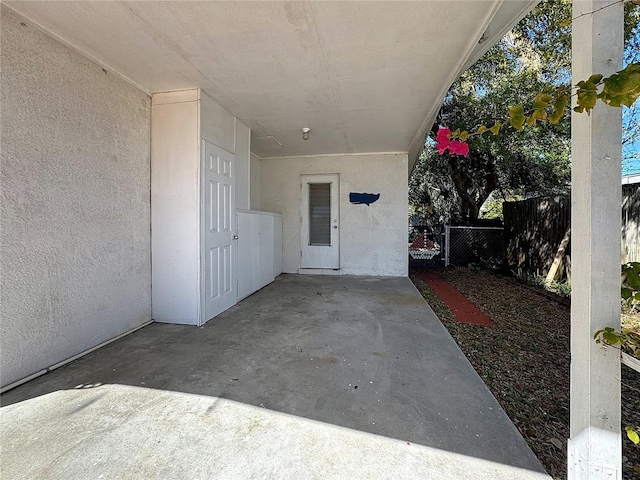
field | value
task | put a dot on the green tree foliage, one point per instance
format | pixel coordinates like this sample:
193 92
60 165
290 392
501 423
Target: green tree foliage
493 206
631 285
534 57
631 119
431 191
536 159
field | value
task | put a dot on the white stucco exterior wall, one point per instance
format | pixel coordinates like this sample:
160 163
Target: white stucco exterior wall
75 251
373 239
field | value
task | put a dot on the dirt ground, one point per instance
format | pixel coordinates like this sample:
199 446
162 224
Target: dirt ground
524 360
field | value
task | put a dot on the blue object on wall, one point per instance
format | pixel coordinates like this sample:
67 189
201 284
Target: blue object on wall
360 198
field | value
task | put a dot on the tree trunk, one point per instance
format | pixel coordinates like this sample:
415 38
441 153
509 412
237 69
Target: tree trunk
470 205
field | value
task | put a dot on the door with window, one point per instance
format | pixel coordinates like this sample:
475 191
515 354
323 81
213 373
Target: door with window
320 221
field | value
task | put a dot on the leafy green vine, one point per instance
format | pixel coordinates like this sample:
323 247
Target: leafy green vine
622 88
627 340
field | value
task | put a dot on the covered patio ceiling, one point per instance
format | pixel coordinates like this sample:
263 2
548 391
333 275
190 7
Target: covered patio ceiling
364 76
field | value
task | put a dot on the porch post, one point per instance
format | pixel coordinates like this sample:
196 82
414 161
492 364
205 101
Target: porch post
594 449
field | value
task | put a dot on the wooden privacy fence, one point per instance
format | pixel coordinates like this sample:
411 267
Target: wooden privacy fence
630 223
535 228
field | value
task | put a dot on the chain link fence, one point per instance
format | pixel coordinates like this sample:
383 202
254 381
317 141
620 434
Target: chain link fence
480 245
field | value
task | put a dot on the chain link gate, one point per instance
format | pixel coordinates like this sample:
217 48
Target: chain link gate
470 244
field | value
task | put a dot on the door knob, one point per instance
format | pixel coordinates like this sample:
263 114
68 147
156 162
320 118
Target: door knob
335 226
235 237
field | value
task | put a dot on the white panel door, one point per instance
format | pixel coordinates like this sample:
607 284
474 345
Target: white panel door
218 225
320 221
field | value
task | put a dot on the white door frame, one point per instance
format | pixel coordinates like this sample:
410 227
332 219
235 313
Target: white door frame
316 256
223 234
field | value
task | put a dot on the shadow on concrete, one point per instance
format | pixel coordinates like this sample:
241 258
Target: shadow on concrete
363 353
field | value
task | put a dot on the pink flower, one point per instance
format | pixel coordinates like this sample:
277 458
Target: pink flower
442 139
455 147
459 148
443 135
442 147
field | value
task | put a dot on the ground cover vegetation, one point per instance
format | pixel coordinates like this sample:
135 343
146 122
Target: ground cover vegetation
524 359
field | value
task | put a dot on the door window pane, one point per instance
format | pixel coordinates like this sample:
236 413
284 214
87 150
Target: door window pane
320 214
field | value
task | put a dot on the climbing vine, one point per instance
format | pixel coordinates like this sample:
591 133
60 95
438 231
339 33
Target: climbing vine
627 340
617 90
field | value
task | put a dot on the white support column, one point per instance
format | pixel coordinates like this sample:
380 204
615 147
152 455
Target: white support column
594 449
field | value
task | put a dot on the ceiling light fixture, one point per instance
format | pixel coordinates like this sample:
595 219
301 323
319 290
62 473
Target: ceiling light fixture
305 133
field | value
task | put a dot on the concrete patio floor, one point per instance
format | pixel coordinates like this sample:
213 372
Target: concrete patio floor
311 377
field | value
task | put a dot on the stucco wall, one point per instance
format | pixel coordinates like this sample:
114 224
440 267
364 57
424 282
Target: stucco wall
254 183
75 251
373 239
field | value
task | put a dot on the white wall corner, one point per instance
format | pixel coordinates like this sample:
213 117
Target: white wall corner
243 165
178 96
175 206
255 176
